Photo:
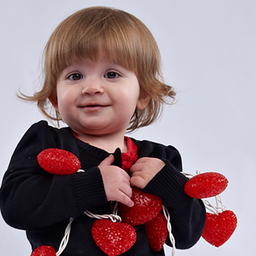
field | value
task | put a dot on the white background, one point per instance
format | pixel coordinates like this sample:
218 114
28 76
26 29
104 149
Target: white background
208 52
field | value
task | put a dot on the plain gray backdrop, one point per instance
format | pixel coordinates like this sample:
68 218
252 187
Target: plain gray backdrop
208 55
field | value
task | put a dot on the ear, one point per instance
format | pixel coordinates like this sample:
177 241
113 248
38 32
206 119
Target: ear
54 103
143 100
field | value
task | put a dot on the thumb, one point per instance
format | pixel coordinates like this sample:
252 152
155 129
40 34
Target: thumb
107 161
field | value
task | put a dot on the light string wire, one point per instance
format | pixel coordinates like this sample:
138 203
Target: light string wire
169 228
116 218
220 207
113 217
65 239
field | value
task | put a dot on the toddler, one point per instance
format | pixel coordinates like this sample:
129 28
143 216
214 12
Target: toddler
102 78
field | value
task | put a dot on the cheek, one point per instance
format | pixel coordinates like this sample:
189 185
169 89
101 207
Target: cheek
65 94
128 104
127 99
63 101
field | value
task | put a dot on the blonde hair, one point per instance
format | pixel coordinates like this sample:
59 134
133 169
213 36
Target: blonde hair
123 38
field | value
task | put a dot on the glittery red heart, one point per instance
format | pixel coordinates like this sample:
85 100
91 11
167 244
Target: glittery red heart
58 161
44 250
219 228
113 238
146 207
157 232
206 185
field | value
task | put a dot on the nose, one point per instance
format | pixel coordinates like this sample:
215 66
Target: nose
92 86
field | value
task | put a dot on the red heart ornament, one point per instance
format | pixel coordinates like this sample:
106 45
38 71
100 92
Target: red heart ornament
219 227
157 232
58 161
113 238
205 185
146 207
44 250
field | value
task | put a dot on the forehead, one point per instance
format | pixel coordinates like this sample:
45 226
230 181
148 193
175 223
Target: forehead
87 65
107 45
121 37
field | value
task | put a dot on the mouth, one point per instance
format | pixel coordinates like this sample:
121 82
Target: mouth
93 107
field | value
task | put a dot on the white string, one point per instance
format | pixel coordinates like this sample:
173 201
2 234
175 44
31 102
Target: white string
169 228
112 217
64 241
220 207
189 175
115 210
116 218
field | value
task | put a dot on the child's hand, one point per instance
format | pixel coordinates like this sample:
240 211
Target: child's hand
144 170
116 182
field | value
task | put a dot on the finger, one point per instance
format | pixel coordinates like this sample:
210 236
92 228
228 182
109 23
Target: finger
107 161
126 189
142 160
125 175
126 181
138 181
124 199
136 168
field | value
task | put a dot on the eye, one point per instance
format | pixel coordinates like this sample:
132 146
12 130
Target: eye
75 76
111 75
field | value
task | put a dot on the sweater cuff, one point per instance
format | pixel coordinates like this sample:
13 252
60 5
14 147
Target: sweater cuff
168 184
89 189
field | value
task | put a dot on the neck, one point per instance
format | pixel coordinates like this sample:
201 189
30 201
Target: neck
108 142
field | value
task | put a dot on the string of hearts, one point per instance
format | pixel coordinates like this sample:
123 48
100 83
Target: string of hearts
115 235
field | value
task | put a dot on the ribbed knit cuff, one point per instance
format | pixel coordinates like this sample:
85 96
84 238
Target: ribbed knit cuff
168 184
89 189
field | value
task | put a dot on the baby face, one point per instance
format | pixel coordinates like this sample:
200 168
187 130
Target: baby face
97 97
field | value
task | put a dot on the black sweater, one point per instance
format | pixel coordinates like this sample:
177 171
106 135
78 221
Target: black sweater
42 203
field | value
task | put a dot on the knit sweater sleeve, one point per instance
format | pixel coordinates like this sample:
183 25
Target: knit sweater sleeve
187 215
33 199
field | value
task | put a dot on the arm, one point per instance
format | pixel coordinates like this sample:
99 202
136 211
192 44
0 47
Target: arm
167 182
187 214
32 199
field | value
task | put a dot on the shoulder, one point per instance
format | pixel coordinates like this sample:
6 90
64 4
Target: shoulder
42 135
150 147
39 128
43 126
153 149
39 137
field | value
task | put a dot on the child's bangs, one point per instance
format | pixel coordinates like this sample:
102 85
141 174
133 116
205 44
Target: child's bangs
107 44
101 46
110 37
